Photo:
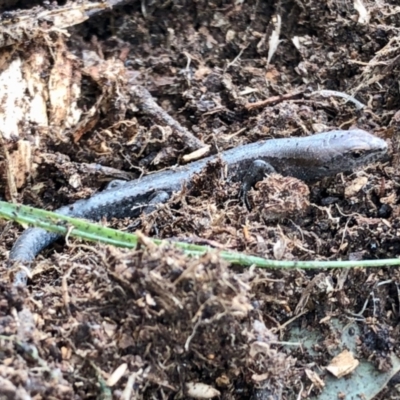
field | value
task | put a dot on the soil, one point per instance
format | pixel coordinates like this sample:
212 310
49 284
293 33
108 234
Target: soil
97 321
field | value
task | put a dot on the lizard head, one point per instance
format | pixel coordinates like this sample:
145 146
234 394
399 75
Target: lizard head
345 151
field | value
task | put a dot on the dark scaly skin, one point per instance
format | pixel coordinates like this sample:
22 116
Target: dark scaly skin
309 158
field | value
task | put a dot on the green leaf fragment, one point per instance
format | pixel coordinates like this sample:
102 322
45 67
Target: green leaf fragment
83 229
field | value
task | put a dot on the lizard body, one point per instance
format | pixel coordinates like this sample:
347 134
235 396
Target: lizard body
308 158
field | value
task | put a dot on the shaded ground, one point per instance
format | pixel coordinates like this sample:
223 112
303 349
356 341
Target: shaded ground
99 321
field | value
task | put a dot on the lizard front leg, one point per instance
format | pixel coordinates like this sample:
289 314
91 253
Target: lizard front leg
258 170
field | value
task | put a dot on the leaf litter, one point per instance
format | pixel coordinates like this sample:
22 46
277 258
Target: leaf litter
137 88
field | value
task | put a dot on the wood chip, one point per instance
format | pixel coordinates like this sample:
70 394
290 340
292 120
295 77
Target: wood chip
343 364
117 374
355 186
201 391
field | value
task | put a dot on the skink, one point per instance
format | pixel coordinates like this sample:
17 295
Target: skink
308 158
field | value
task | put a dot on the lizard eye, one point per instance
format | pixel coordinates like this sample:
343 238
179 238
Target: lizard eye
356 154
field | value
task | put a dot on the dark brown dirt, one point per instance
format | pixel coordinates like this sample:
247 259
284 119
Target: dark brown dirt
166 320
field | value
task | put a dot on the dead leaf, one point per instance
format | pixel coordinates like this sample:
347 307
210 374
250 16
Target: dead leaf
343 364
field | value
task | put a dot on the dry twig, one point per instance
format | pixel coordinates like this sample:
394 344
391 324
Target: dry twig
144 100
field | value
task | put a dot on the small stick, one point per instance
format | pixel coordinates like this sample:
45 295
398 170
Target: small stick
89 169
144 100
272 100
